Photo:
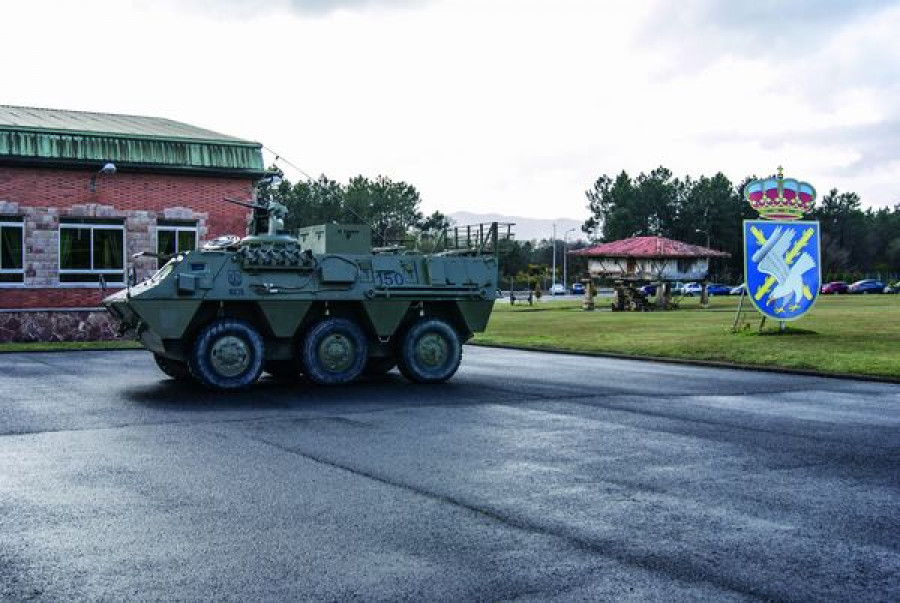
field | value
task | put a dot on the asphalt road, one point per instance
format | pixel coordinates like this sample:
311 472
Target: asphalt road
529 476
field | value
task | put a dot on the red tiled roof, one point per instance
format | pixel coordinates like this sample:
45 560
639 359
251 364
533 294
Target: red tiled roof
649 247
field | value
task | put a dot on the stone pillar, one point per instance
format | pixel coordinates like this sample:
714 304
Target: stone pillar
618 303
588 303
141 236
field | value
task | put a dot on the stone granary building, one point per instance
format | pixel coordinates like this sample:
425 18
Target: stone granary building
649 259
80 193
659 260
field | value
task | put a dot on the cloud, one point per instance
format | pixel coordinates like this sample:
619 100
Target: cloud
874 146
699 31
780 18
510 105
248 8
809 83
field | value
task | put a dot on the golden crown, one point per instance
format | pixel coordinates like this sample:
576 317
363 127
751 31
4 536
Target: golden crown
780 198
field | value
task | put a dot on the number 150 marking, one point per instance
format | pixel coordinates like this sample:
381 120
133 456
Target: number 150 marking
388 279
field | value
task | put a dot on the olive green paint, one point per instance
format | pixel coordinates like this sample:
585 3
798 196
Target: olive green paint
336 238
336 269
167 318
476 313
386 316
284 316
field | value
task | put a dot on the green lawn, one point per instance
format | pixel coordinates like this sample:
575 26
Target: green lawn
841 334
54 346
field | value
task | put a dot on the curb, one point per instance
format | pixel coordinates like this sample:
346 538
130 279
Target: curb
660 359
704 363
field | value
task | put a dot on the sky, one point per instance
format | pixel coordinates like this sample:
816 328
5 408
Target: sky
509 106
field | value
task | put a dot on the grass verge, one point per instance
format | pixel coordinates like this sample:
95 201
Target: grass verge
56 346
842 334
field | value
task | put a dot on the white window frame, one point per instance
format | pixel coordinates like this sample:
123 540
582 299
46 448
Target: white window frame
20 226
177 229
92 227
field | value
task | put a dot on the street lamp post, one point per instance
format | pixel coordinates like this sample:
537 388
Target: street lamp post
553 274
566 258
704 295
705 229
706 232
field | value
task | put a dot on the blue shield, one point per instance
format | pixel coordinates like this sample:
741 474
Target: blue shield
782 266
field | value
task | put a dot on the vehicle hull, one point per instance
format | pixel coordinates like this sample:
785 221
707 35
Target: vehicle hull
281 290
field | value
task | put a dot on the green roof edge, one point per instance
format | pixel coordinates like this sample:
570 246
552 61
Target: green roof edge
97 134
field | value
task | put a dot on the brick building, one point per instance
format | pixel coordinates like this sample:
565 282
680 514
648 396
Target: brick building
69 219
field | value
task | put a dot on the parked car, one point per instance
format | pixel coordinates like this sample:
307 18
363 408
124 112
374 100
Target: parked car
868 285
895 288
692 289
737 290
650 289
577 289
835 287
558 289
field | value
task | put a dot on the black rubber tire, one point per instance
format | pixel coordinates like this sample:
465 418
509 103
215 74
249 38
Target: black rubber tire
178 371
287 370
316 369
202 367
379 365
413 368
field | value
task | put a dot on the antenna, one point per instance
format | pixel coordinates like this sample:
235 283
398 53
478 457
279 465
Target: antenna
279 157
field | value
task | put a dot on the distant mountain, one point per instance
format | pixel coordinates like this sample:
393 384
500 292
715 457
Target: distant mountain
525 229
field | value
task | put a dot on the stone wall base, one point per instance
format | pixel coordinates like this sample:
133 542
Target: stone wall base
57 325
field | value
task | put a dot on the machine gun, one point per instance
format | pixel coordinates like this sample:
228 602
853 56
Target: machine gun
268 214
267 219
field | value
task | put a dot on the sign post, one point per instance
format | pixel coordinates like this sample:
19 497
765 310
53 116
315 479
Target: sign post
782 254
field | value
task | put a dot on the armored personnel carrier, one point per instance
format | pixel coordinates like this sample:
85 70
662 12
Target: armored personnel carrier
323 304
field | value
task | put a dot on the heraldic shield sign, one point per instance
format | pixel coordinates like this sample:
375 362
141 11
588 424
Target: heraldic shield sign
782 256
782 266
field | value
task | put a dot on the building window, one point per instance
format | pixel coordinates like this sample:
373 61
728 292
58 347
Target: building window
90 249
12 250
685 266
174 237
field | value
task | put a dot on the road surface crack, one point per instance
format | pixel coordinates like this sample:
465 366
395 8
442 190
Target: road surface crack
724 425
681 568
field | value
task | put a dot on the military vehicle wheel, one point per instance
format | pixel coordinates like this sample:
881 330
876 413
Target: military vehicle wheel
283 369
178 371
227 354
430 352
334 351
379 365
